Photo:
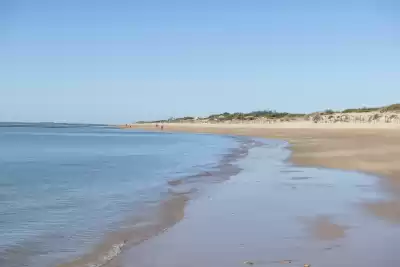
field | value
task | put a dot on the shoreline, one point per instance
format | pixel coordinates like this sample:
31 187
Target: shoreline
168 211
304 142
370 150
274 212
328 148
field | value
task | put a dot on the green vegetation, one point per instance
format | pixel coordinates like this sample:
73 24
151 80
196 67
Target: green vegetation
274 115
358 110
267 114
226 116
394 107
328 111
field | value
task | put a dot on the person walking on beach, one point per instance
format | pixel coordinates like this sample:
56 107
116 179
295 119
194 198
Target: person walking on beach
162 127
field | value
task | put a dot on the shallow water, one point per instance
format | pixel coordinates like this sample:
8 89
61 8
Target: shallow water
274 213
64 191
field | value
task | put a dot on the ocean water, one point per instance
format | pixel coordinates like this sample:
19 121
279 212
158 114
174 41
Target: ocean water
62 189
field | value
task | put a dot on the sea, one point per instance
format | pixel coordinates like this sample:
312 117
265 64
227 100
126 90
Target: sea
67 192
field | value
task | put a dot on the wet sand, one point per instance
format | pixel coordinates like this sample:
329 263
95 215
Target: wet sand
156 216
275 213
357 147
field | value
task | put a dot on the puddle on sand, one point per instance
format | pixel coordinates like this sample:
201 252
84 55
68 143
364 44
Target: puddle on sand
264 216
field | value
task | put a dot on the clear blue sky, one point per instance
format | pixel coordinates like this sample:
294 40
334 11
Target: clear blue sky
121 61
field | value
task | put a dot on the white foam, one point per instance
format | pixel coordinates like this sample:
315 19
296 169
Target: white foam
115 250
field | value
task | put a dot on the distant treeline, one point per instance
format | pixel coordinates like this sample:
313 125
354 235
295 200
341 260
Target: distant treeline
358 110
235 116
394 107
253 115
272 114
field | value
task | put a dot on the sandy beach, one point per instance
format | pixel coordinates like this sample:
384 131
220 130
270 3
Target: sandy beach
361 161
371 148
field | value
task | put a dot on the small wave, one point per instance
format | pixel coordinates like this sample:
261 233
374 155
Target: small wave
115 250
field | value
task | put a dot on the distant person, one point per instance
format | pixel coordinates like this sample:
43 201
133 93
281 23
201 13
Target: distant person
162 127
156 125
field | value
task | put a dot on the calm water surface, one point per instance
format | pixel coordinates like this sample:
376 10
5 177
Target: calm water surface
61 189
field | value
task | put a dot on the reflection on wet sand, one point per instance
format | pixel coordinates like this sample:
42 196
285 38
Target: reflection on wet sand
389 210
265 217
322 227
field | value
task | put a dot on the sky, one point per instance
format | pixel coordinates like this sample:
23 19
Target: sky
121 61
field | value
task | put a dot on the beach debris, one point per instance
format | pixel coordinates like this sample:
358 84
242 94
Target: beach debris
307 265
249 262
285 261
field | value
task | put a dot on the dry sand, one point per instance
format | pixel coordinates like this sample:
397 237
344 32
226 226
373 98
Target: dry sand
371 148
